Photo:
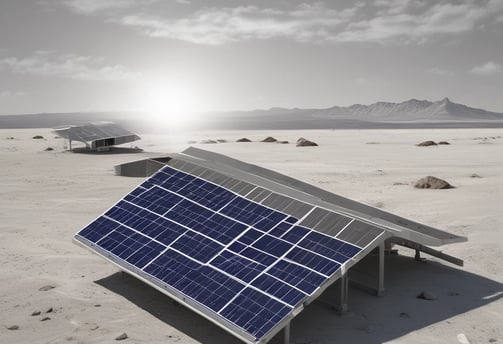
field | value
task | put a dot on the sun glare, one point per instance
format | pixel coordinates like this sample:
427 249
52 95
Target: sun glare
170 105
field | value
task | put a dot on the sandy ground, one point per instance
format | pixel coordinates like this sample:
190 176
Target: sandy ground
47 196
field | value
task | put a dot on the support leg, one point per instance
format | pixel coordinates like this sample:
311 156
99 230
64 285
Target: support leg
286 333
343 305
380 287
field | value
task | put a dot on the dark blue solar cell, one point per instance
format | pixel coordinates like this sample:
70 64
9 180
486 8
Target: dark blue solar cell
189 214
130 215
145 254
122 242
201 283
296 275
136 192
255 312
250 236
166 231
207 194
220 228
272 245
245 211
269 222
98 229
171 267
279 289
260 257
329 247
147 184
237 247
313 261
291 219
157 200
172 179
237 266
295 234
197 246
280 229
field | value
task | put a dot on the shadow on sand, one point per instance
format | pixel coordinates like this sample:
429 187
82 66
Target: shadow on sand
112 150
370 319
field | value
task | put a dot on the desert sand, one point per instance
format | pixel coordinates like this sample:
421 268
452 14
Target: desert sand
47 196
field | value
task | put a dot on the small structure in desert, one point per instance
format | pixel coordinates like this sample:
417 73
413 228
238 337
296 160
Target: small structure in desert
97 136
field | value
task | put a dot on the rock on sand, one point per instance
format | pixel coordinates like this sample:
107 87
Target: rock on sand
302 142
426 144
431 182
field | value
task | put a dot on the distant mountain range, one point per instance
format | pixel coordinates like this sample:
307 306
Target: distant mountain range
410 113
410 110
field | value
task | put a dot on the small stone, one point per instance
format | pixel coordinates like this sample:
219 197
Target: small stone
48 149
97 305
404 315
94 328
50 310
244 139
37 137
453 293
45 319
35 313
492 340
282 142
426 144
475 175
13 328
426 296
221 141
269 139
302 142
122 336
444 143
208 141
46 288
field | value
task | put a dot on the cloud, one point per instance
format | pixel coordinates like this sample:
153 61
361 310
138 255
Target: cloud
214 26
488 68
67 66
417 23
440 71
10 94
93 6
380 21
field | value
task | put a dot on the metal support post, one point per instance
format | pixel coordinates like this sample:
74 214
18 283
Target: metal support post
380 287
343 302
286 333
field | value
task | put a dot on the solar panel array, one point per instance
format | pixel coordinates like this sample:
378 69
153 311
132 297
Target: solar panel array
245 255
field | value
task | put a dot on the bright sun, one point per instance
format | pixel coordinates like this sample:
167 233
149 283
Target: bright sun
170 104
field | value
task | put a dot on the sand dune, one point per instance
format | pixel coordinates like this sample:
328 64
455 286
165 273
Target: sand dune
47 196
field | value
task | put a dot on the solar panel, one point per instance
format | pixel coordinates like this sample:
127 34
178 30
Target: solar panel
246 261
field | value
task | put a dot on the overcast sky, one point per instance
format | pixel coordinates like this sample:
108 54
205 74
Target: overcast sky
92 55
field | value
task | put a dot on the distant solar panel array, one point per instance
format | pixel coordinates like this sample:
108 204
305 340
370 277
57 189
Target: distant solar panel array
242 255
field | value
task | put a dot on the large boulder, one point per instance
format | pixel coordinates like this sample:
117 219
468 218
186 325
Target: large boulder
426 144
431 182
269 139
302 142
